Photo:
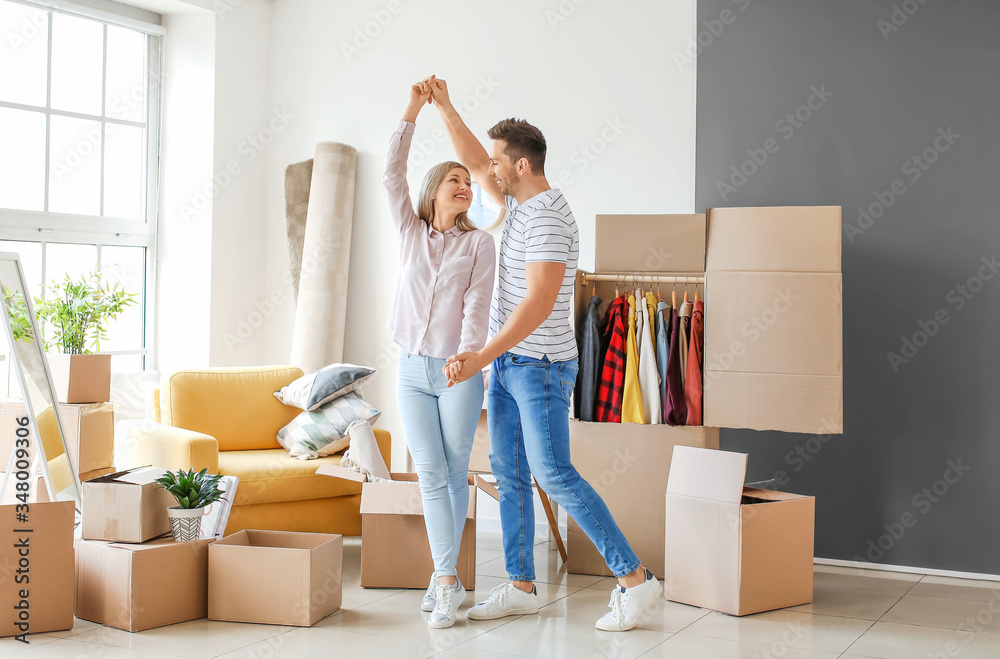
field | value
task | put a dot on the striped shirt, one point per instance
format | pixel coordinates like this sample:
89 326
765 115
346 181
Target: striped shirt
540 229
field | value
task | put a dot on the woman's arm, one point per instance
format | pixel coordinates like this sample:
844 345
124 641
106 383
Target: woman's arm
394 178
477 298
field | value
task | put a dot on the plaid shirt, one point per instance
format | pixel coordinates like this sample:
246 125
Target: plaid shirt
612 384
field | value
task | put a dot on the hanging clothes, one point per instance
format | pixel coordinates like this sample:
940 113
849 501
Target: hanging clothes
649 379
631 397
675 409
589 376
685 337
651 311
662 327
638 304
693 387
612 384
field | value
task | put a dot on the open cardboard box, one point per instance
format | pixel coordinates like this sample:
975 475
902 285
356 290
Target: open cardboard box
140 586
89 433
732 548
275 577
773 346
126 506
394 548
36 568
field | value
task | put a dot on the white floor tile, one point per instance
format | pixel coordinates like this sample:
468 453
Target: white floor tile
881 580
72 648
802 631
959 614
200 639
886 640
685 646
859 603
961 589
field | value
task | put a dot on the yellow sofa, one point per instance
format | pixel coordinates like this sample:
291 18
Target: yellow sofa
227 419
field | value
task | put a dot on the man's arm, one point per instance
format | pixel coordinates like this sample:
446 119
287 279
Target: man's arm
544 280
469 150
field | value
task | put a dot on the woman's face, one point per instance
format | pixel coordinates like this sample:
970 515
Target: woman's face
454 195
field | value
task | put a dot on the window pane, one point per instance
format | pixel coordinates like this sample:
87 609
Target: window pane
124 171
22 159
31 262
23 53
77 64
126 267
126 363
63 259
126 80
75 166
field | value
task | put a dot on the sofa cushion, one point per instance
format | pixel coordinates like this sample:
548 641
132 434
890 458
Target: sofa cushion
235 405
270 475
328 383
323 431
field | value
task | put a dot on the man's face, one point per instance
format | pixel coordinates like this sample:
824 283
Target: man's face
503 169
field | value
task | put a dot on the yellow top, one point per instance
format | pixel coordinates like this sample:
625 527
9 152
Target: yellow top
631 396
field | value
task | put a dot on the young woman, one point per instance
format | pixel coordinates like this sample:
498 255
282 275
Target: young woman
441 308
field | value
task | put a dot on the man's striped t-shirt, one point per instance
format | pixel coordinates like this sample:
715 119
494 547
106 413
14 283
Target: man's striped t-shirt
540 229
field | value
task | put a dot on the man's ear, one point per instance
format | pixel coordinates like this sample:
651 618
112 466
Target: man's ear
523 166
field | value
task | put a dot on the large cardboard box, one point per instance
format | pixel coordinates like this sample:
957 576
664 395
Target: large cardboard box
732 548
81 378
773 353
36 568
89 433
275 577
126 506
395 552
140 586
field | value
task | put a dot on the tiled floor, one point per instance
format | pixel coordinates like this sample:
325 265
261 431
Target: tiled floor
855 613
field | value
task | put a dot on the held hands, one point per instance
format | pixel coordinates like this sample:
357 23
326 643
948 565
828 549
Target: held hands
430 90
462 366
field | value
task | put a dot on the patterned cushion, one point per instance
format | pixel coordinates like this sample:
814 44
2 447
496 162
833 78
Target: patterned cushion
310 391
323 431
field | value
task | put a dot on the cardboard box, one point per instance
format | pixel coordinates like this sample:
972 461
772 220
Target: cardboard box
275 577
140 586
629 471
89 433
732 548
395 552
479 459
36 568
81 378
126 506
773 339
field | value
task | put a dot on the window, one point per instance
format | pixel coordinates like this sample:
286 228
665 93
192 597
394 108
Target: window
79 112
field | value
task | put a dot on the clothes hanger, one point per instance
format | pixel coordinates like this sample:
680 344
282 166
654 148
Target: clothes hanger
659 298
673 293
685 290
616 286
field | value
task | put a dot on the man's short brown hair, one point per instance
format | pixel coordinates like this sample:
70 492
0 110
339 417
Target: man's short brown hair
523 141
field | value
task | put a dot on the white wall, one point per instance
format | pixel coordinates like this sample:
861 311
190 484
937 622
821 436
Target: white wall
573 78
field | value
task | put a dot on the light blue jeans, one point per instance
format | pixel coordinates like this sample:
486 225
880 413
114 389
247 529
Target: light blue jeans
440 425
528 416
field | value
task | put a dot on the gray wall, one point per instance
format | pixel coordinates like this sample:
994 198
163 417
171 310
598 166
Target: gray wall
891 94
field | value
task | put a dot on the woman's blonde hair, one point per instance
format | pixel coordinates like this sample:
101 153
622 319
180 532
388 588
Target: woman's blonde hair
425 209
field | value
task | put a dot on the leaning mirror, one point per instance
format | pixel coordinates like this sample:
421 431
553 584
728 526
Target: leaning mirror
484 212
37 465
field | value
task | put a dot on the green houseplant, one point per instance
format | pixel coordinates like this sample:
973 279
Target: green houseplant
77 312
194 491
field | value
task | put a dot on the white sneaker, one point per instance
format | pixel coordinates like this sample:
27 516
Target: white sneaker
446 601
427 603
505 600
628 604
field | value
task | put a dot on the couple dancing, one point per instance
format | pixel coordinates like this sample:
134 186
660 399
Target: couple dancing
443 307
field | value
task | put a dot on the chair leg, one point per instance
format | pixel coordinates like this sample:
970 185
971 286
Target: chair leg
553 524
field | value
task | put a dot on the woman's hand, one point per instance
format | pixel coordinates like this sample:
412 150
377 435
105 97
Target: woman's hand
420 93
439 93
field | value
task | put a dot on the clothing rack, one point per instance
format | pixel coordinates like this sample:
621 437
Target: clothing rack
653 278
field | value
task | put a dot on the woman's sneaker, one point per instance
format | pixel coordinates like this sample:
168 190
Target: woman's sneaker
447 599
427 603
505 600
628 604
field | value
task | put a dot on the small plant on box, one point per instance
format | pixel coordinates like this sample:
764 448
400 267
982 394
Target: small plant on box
78 311
193 492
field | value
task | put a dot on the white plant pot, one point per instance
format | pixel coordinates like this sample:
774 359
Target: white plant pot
185 523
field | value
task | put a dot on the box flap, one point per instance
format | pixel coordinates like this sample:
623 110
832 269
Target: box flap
336 471
650 243
774 239
707 474
395 498
139 475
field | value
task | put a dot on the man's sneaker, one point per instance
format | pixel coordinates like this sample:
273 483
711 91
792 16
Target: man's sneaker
446 602
427 603
505 600
628 604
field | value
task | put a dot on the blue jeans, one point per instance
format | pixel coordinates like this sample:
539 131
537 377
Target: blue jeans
440 424
528 415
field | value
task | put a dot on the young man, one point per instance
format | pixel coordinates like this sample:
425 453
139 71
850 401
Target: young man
534 364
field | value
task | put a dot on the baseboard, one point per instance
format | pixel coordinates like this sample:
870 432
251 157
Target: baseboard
905 569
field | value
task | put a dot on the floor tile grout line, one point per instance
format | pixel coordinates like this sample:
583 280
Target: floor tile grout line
264 640
872 623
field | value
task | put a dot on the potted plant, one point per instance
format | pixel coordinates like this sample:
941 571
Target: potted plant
74 318
194 491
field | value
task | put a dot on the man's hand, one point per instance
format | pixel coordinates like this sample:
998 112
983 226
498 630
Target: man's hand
439 93
463 366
